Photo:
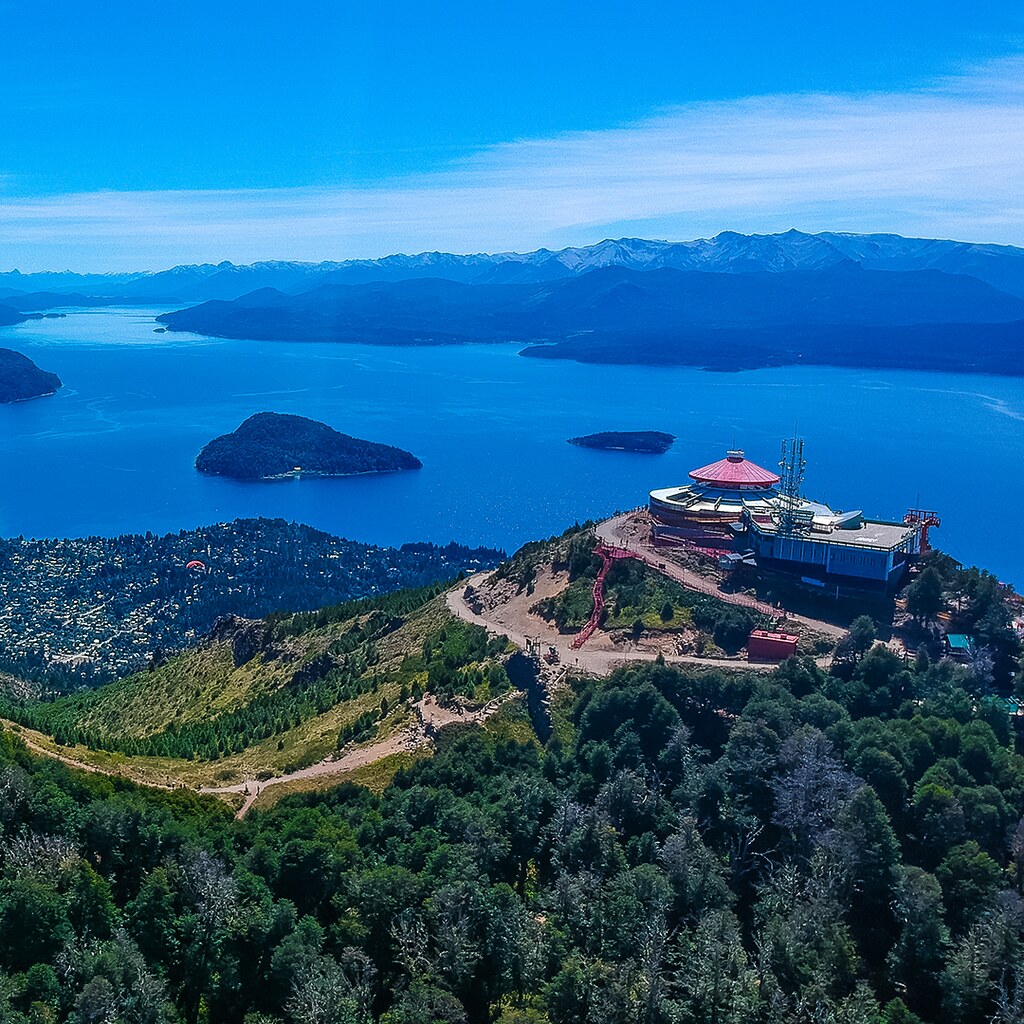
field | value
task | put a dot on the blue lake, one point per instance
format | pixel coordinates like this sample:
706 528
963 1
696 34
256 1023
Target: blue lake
113 451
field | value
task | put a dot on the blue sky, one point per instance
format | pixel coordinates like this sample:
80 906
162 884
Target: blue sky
149 134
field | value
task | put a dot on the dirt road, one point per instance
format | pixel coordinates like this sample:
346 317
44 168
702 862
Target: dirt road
72 762
628 532
590 660
430 716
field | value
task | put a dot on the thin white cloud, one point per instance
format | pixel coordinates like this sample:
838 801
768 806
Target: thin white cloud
941 160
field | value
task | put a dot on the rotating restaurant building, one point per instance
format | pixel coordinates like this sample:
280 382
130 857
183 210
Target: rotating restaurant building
702 512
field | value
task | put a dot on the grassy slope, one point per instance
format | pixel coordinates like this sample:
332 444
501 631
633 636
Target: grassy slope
190 687
632 590
376 777
204 681
198 685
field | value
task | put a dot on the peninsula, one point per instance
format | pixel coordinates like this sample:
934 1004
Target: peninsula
272 446
844 314
649 442
21 379
10 316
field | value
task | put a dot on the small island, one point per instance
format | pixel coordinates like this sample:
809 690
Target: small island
648 442
275 446
21 379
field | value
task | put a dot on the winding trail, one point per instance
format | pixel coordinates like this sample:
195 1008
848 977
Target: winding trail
430 717
593 662
622 536
72 762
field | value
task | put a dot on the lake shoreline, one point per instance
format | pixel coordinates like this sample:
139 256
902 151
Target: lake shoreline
114 451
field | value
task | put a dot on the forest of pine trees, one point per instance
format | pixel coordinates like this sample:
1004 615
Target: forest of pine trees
712 847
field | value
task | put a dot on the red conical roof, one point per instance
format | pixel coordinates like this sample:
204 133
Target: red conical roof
735 471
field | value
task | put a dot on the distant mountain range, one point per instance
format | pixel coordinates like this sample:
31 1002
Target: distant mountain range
435 310
730 302
1001 266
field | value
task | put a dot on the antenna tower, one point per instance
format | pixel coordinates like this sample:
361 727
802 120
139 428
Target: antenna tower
792 464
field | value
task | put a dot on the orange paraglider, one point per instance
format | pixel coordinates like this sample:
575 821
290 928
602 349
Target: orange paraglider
196 565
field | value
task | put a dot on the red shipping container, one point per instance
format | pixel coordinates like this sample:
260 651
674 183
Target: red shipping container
766 646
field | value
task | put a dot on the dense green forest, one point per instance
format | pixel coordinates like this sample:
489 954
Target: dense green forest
713 847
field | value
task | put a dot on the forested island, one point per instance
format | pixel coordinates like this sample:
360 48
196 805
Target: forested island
652 442
272 446
21 379
993 348
85 610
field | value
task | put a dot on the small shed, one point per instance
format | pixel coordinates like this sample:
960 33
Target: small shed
959 645
764 645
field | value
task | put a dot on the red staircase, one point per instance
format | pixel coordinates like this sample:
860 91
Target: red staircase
607 556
